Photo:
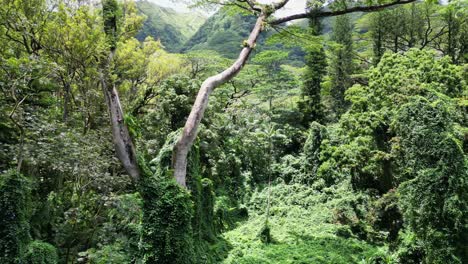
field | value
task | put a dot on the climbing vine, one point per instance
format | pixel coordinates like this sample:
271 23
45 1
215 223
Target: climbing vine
15 208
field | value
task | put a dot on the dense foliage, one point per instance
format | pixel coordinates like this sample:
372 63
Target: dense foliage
342 141
41 253
15 207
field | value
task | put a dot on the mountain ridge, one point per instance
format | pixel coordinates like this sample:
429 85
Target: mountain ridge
166 24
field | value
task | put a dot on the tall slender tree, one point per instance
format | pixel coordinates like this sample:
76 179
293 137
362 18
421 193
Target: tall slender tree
316 64
455 41
341 65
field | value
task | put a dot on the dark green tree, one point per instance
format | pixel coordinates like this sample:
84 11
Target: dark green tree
341 65
403 127
317 133
455 42
377 34
316 64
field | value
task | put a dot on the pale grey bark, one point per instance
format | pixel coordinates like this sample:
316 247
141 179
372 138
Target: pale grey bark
182 147
124 147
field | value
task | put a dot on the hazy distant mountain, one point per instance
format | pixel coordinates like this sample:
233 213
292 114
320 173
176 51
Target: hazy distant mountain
171 27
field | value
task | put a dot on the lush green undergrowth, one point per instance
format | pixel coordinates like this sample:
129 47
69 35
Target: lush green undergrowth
304 228
307 250
297 248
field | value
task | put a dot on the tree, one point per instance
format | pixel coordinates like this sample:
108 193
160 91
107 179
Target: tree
376 32
420 25
140 68
123 142
73 50
455 42
15 205
23 71
434 197
25 23
276 78
406 144
263 13
316 65
341 62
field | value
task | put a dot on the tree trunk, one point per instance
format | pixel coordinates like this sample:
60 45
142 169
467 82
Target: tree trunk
123 143
182 147
66 100
124 147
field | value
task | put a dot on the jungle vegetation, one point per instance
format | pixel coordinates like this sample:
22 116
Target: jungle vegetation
130 133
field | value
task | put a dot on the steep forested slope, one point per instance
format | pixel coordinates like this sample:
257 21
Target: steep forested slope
171 27
223 33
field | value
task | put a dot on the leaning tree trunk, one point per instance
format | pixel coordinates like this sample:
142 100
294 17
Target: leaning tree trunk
185 142
124 147
123 143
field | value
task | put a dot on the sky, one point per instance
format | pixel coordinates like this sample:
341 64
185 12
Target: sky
293 6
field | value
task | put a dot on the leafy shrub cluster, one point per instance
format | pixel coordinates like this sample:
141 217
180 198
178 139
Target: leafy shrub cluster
40 253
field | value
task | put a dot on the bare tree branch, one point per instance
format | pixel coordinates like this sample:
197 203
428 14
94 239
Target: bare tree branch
318 13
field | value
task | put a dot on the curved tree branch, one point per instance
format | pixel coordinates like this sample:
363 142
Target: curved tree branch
318 13
182 147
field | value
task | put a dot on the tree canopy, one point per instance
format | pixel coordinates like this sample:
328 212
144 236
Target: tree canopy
131 133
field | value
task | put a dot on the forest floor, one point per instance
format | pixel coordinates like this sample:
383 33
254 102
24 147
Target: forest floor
303 228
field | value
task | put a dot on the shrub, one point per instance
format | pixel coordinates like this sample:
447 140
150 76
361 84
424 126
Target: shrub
40 253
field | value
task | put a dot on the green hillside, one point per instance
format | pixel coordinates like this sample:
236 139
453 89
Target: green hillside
171 27
223 33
